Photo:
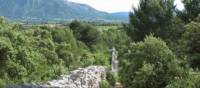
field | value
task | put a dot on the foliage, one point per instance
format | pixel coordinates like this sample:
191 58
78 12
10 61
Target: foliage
104 84
85 32
111 78
41 53
151 16
152 63
149 64
191 11
113 37
102 58
191 81
191 43
38 53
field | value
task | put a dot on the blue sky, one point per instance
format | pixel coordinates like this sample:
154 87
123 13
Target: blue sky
116 5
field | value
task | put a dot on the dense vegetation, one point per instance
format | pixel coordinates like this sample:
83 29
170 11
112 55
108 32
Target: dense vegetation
166 52
41 53
159 48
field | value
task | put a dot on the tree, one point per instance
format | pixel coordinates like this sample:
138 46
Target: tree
190 81
112 37
191 11
7 53
85 32
63 35
149 64
191 43
152 16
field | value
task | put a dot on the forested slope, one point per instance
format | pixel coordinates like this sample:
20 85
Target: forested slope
166 51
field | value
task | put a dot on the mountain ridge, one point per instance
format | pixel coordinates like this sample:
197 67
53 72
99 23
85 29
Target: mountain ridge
52 10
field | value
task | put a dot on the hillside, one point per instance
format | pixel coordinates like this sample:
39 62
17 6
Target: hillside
41 10
120 16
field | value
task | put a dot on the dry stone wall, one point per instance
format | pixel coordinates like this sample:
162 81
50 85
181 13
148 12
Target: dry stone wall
88 77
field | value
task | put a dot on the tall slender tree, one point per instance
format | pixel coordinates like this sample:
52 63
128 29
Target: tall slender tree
152 16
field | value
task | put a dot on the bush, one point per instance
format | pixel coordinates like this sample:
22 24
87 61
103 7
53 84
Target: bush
38 54
2 83
102 58
111 78
191 43
191 81
149 64
111 37
104 84
85 32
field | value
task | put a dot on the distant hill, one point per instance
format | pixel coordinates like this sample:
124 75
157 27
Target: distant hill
53 10
121 16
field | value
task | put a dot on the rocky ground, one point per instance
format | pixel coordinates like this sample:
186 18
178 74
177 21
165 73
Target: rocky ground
88 77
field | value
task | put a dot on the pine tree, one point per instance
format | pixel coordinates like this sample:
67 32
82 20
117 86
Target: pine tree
191 11
152 16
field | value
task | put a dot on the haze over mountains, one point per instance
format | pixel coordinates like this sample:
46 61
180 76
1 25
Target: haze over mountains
54 10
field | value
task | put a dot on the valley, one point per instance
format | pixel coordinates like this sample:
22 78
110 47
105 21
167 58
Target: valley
63 44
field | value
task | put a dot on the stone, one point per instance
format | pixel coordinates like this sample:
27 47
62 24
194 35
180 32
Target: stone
88 77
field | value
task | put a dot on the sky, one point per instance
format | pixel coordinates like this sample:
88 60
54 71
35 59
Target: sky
112 6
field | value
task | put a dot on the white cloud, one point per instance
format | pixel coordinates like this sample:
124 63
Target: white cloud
115 5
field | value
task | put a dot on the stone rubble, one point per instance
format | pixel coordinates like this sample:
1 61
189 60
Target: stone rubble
88 77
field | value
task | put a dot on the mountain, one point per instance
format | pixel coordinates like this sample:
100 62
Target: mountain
52 10
121 16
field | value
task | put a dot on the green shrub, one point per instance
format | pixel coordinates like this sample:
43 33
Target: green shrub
102 59
191 81
2 83
191 43
149 64
104 84
32 54
111 78
85 32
